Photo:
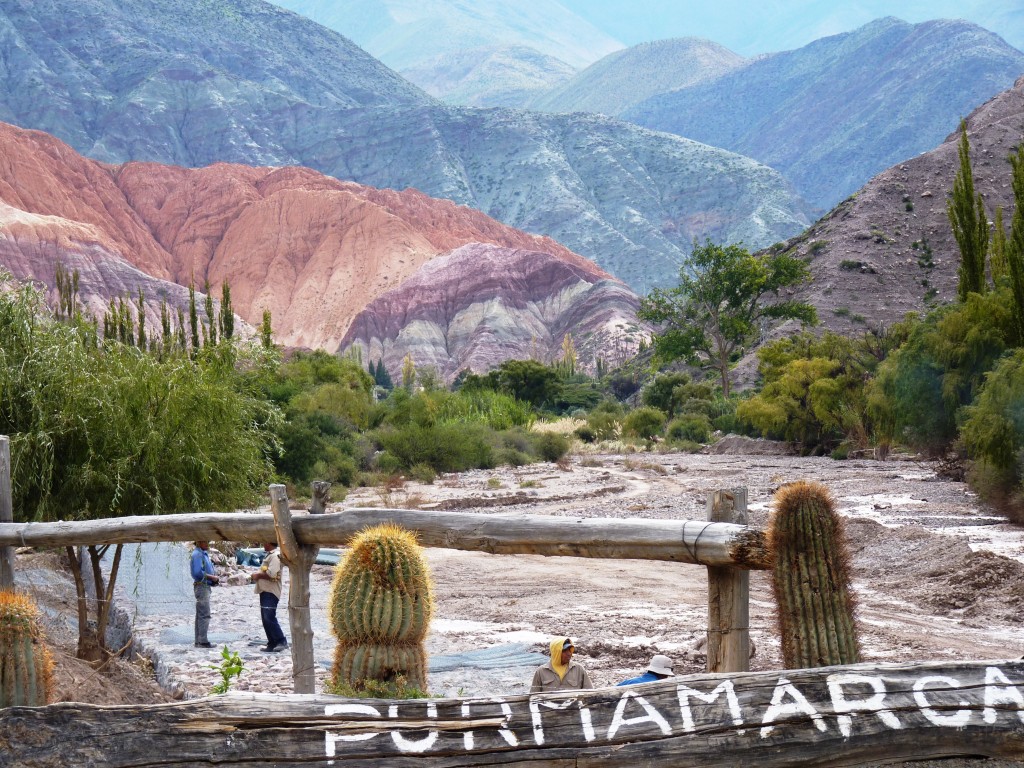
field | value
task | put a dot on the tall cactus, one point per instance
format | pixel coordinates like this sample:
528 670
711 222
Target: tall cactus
380 607
26 666
811 579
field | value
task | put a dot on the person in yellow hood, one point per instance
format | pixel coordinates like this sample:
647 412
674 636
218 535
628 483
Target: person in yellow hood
561 673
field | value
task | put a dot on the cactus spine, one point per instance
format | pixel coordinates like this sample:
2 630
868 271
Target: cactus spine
380 607
26 666
811 579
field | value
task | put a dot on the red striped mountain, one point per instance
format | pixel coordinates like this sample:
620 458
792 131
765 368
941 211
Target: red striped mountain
311 249
482 304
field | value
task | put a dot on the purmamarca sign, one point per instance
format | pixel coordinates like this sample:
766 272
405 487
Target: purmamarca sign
834 715
747 705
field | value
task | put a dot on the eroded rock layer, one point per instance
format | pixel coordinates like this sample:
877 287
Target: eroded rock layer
482 304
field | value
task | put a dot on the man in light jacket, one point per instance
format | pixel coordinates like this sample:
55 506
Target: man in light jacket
268 587
561 673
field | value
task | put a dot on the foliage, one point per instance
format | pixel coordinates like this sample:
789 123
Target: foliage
104 429
919 390
719 304
689 428
814 388
1014 248
967 218
645 423
230 667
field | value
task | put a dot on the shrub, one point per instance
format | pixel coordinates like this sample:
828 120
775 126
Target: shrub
603 424
644 423
692 427
586 433
551 446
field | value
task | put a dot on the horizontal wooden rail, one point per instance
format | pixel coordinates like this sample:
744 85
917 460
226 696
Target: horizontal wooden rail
831 716
684 541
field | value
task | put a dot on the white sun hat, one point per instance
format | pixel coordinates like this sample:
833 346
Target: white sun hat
660 665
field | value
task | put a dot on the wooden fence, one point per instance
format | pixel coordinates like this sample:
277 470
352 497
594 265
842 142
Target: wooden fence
830 716
726 548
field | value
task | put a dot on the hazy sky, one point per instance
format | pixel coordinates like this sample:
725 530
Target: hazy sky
762 26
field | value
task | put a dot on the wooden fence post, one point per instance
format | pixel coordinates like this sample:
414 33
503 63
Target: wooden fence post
6 513
299 560
728 594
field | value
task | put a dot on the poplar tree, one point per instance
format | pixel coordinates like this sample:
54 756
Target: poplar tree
997 263
1015 244
966 212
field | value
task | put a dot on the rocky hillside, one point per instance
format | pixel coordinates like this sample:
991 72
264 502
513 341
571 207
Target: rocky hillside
406 33
889 250
243 81
505 76
836 112
313 250
625 78
482 304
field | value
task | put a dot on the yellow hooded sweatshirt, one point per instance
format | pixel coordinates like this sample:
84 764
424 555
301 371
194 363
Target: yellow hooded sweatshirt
557 644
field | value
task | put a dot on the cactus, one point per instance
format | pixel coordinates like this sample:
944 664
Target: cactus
811 579
380 607
358 662
26 666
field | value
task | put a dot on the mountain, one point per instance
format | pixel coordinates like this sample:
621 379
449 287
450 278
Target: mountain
889 249
406 33
481 304
628 77
243 81
836 112
313 250
505 76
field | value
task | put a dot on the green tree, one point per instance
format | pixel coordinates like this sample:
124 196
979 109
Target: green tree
997 247
719 304
266 332
112 430
227 312
966 212
527 380
1015 244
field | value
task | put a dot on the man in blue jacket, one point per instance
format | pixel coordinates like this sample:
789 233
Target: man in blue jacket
203 577
659 668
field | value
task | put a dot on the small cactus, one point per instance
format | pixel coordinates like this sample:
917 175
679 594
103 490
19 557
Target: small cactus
380 607
26 666
811 579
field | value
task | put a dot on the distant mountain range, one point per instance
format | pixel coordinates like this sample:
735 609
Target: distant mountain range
889 249
313 251
505 76
481 54
836 112
244 81
406 33
625 78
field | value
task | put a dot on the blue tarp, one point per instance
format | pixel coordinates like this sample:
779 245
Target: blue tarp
254 556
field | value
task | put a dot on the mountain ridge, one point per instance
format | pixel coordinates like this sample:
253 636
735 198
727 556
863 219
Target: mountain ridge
631 199
829 115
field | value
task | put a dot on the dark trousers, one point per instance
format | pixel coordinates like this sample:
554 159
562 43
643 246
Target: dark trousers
268 612
202 592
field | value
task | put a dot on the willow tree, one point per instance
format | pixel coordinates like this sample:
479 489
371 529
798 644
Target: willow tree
966 212
723 295
109 430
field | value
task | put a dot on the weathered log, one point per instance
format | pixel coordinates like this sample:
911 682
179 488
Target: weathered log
683 541
847 716
728 594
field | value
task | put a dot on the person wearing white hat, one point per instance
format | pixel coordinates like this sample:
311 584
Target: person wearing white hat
659 668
